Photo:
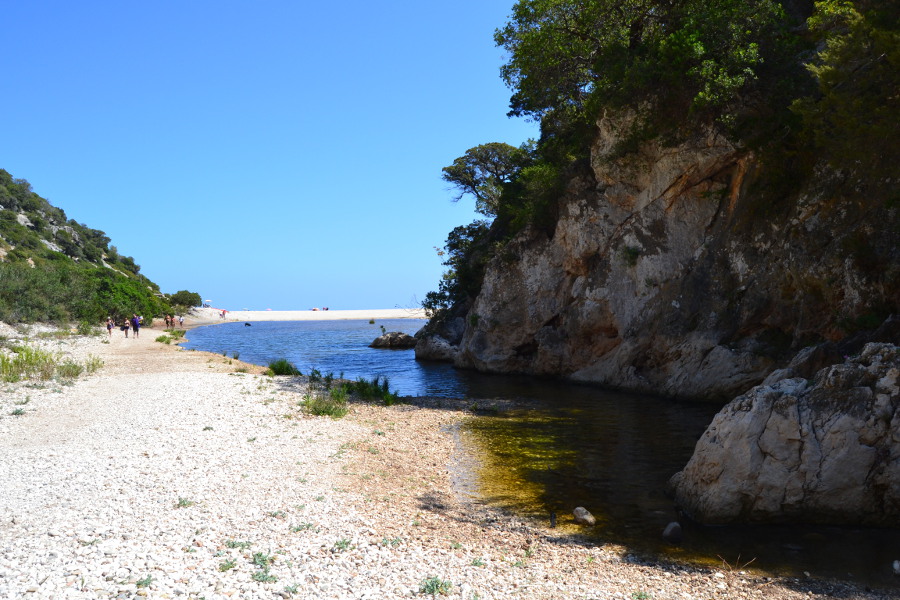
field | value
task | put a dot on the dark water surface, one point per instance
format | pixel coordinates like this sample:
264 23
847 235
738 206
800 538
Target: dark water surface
568 446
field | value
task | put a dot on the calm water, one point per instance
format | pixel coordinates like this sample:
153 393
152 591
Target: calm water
568 446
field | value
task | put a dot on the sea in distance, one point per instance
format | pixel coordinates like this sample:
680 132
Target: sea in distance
564 445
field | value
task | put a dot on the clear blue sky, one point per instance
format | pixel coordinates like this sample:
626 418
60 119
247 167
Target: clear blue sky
274 154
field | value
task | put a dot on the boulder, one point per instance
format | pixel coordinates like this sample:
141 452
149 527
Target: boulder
394 340
583 516
435 347
820 451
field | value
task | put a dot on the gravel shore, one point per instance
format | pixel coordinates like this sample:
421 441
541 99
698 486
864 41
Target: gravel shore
176 474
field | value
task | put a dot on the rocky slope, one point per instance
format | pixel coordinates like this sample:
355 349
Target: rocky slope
680 271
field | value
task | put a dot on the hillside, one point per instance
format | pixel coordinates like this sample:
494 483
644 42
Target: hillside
53 268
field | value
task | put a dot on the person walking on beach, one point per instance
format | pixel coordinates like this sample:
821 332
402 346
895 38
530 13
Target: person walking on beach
135 325
125 327
109 326
181 320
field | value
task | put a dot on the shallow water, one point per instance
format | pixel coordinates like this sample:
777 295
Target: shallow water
568 446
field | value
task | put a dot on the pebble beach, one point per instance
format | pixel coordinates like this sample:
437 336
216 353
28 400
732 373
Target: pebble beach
177 474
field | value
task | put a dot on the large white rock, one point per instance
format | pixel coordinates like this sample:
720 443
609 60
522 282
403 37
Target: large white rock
826 451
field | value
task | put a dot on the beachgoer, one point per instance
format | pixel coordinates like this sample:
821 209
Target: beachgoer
135 324
125 327
181 320
167 321
109 325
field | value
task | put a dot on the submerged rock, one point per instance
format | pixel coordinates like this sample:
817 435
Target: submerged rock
394 340
672 533
583 516
820 451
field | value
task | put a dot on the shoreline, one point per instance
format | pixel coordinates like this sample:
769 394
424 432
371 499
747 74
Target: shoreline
197 317
166 472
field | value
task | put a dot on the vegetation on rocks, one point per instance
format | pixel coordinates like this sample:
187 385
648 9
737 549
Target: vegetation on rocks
55 269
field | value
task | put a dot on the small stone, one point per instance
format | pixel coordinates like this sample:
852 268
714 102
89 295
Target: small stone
583 517
672 533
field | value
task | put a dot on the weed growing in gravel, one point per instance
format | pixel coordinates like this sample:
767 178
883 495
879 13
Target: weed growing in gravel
18 412
184 502
26 362
226 565
640 596
393 543
237 544
277 514
145 582
69 370
331 404
301 527
434 586
163 339
320 498
208 428
456 546
264 576
477 562
377 389
292 589
261 559
93 364
343 544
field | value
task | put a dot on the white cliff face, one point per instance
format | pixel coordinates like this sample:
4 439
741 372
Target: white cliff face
600 301
680 271
824 452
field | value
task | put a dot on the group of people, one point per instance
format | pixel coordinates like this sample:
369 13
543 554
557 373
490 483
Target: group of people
170 320
133 324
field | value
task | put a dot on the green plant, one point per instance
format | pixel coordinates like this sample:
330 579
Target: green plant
235 355
261 559
477 562
301 527
331 405
630 255
278 514
145 582
342 545
93 364
640 596
85 328
18 412
291 589
227 565
163 339
434 586
264 576
69 370
184 502
282 366
237 544
393 542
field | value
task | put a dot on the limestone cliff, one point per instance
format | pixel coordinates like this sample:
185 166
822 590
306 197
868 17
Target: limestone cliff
680 271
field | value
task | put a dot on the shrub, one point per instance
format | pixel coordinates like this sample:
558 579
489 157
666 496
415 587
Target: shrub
333 404
435 586
283 367
69 369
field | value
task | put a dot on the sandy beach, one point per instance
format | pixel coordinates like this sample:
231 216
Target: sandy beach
178 474
206 316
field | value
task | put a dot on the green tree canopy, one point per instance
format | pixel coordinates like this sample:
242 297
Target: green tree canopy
185 298
483 170
567 55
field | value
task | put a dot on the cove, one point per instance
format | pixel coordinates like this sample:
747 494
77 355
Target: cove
553 446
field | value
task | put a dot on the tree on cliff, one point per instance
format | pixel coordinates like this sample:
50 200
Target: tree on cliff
483 171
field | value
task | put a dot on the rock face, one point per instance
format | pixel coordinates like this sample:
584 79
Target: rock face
822 452
394 340
669 271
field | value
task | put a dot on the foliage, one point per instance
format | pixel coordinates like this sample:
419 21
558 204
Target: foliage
583 54
852 118
185 298
483 171
434 586
466 256
377 388
329 403
56 269
283 367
